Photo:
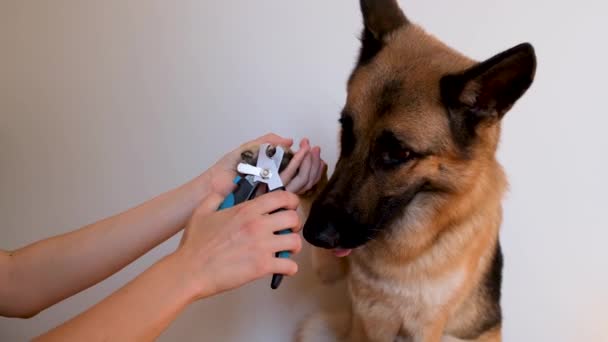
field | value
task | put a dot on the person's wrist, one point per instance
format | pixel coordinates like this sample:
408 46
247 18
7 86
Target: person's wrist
199 188
196 285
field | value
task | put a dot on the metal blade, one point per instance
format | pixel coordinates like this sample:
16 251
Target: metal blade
272 165
246 169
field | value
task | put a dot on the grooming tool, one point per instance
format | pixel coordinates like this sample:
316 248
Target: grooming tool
265 171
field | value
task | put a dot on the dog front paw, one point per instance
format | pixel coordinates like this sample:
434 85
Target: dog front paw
251 156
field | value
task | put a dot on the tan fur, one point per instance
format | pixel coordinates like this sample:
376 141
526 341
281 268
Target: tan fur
417 283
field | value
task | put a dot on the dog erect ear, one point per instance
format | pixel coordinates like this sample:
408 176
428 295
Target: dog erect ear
380 18
489 89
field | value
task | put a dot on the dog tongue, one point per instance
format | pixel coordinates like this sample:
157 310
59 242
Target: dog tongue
342 252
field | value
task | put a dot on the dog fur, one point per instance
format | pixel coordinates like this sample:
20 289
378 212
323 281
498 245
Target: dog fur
417 189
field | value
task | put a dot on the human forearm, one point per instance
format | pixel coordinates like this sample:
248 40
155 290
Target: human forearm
219 251
139 311
42 274
48 271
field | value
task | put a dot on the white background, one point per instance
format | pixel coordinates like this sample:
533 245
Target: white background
104 104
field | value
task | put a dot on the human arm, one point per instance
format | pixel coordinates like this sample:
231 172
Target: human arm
39 275
218 252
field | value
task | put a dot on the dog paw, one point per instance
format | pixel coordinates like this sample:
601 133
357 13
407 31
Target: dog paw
251 156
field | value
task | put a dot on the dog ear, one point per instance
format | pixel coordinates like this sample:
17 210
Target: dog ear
489 89
380 17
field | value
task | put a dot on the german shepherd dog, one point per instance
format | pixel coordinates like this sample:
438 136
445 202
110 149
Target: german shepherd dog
414 205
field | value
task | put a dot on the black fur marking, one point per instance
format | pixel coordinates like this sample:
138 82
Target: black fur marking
389 152
486 91
347 136
388 140
502 80
463 119
370 47
493 278
380 17
490 289
390 208
388 96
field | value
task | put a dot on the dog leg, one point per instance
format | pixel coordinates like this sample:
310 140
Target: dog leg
325 327
327 266
375 321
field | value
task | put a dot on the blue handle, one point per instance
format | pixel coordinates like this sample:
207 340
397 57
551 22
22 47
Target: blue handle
284 254
244 192
278 278
230 200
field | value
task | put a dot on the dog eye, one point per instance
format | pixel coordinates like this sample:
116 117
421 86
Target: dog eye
396 157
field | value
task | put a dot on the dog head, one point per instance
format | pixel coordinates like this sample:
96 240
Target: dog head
419 121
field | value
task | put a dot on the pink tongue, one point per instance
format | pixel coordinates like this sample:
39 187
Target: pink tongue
342 252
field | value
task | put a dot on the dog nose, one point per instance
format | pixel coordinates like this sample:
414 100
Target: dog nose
327 237
329 226
321 228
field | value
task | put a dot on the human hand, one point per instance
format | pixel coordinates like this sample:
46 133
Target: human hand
219 178
304 170
223 250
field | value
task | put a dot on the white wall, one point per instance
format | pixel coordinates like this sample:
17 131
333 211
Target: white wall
104 104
